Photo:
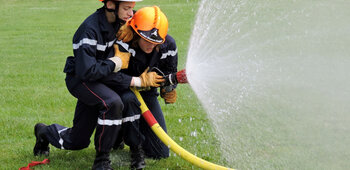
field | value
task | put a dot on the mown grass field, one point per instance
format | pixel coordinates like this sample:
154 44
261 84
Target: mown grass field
35 39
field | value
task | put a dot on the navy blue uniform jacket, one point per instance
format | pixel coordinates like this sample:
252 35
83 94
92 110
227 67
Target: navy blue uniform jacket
165 58
92 46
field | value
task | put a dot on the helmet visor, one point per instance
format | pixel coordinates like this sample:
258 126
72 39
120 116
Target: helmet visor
152 36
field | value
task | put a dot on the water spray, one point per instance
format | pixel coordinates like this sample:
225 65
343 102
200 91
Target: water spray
273 78
179 77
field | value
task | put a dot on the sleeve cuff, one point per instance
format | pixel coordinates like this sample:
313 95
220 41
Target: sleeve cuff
118 63
137 81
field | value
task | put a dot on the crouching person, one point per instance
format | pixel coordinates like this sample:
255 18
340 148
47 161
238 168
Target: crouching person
98 106
151 49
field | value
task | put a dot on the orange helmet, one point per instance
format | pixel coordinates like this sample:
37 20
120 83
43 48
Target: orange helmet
150 23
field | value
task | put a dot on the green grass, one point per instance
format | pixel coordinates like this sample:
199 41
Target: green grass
35 39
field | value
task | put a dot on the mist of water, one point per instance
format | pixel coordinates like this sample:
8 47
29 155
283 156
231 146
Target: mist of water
274 78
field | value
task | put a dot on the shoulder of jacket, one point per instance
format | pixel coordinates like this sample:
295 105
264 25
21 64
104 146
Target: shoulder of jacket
125 47
169 39
169 44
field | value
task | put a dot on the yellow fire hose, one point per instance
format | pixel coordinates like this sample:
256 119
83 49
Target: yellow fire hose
158 130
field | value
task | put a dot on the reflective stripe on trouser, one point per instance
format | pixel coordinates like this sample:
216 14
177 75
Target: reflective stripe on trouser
98 107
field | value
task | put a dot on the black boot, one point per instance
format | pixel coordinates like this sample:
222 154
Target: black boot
137 158
42 145
102 162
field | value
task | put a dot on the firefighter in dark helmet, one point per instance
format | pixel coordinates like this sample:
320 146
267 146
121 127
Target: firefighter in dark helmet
98 106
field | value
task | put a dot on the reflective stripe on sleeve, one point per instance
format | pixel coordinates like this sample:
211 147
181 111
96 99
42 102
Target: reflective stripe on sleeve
126 47
87 41
169 53
84 41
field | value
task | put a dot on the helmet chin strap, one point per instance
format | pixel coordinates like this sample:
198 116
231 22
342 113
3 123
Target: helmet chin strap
112 10
115 11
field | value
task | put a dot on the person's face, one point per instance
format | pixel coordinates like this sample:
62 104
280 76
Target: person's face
146 46
125 10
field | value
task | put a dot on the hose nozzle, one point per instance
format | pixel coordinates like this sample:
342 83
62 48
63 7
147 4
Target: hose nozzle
181 76
175 78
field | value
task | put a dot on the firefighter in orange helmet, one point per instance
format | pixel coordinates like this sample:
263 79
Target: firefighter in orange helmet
151 50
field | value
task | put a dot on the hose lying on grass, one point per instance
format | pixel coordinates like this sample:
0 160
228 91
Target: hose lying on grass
158 130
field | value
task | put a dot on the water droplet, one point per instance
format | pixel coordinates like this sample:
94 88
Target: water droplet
194 133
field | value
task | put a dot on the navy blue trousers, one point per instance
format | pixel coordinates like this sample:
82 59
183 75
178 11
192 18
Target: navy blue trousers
98 107
138 132
135 130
